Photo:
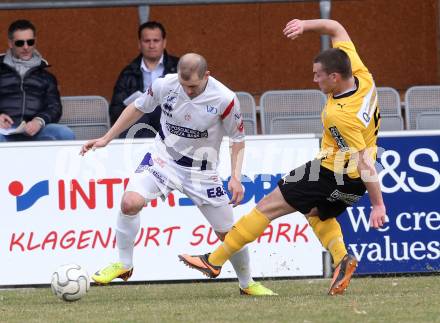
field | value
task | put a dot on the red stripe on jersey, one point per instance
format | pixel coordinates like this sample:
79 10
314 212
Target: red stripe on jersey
228 109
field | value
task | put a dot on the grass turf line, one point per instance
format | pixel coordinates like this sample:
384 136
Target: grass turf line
402 299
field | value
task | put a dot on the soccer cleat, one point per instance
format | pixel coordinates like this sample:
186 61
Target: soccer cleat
257 289
201 263
111 272
342 275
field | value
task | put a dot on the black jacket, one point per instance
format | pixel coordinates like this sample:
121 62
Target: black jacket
131 80
36 96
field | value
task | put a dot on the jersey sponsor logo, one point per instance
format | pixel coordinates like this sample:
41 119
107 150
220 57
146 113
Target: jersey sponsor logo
366 117
167 107
146 162
155 173
338 138
347 198
170 101
368 106
211 109
340 105
168 114
215 192
186 132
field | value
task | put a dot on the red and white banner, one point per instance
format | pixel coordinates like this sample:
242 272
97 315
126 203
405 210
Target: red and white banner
58 207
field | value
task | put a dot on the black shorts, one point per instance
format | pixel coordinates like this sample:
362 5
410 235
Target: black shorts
312 185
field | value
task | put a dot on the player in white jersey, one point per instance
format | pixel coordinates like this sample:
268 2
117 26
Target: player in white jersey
197 111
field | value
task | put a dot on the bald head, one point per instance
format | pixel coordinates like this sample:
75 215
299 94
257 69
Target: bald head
192 63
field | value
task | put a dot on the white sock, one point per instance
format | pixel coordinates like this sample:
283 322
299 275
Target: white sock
218 217
127 227
241 263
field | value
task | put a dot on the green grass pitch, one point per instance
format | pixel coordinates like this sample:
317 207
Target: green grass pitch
391 299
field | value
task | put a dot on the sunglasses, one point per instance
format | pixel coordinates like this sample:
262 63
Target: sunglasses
20 43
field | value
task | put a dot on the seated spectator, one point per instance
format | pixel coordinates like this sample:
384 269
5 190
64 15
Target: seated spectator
152 62
29 97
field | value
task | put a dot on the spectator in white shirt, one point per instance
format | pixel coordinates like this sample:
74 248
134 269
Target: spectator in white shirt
152 62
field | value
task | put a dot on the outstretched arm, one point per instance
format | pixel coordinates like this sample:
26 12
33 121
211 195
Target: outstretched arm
369 176
334 29
129 116
234 185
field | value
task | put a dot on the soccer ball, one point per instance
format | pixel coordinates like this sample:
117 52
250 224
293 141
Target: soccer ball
70 282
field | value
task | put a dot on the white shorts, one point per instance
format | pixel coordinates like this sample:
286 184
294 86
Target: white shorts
157 176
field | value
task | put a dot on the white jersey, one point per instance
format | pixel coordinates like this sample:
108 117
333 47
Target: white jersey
192 129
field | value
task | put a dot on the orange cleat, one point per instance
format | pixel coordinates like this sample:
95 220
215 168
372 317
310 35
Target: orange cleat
342 275
201 263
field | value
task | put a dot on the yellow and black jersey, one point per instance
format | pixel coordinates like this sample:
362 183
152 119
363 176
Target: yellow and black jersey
351 121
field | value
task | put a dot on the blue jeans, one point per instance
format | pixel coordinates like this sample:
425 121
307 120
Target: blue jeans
51 131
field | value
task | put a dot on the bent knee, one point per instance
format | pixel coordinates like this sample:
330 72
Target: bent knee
132 203
274 205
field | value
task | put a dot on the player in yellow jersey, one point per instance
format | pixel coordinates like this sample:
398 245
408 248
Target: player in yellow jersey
344 169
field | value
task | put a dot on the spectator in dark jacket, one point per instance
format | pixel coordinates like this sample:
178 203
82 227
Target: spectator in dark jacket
29 97
152 62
